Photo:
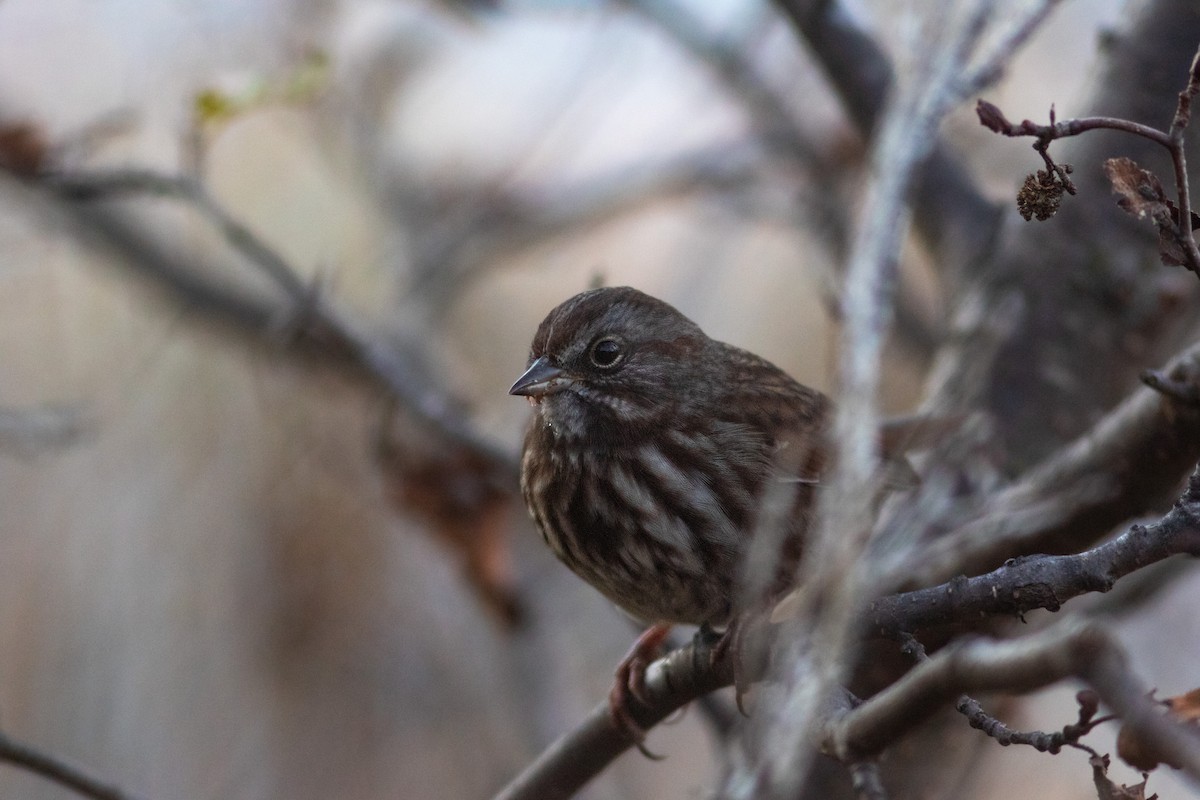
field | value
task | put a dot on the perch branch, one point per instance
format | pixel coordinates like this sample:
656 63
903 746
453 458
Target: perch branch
671 683
1036 582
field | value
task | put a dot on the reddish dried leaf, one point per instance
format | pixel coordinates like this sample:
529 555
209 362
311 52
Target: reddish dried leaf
23 149
1137 753
457 494
1185 708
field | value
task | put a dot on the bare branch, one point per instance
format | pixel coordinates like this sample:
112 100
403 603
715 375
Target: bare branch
1072 648
1045 581
504 220
1132 456
319 329
777 125
1019 587
995 729
1180 228
578 756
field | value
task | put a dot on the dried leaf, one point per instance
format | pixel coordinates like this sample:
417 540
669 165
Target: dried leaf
24 149
1141 194
1107 790
456 493
1185 708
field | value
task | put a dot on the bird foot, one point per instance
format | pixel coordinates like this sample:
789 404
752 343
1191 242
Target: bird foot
733 644
629 684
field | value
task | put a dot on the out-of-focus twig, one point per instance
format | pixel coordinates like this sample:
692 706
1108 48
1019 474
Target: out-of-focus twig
508 220
835 578
318 328
26 432
60 771
949 210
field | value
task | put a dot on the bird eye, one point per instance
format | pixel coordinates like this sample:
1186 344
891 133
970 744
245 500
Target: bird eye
606 352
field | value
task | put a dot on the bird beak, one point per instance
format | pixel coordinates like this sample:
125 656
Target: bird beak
542 378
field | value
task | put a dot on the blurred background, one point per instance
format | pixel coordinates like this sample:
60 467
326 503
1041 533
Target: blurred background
227 570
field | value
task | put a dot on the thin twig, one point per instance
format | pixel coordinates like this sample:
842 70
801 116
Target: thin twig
1179 159
1072 648
1042 741
1172 140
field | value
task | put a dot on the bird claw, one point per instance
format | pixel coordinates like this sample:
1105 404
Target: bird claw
630 684
732 644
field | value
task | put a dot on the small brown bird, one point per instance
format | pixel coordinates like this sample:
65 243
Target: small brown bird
649 452
649 455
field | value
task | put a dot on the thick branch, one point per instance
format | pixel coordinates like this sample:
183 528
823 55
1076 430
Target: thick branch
1043 581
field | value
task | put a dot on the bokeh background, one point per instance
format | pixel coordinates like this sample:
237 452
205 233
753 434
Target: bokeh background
211 585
